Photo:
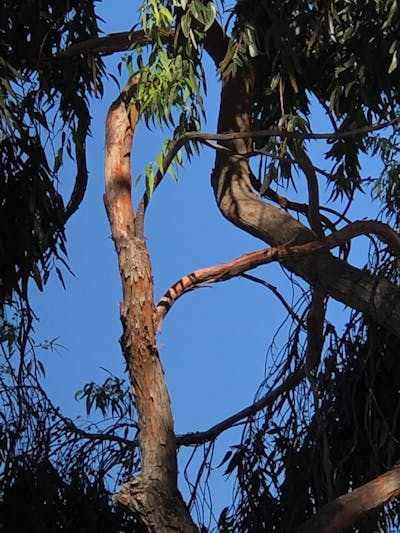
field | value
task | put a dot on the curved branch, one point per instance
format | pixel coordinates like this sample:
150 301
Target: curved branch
213 274
282 253
231 180
346 510
313 214
279 296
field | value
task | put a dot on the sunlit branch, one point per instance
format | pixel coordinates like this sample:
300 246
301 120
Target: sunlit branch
213 274
238 266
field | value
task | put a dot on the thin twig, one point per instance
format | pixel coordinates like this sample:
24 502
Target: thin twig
201 437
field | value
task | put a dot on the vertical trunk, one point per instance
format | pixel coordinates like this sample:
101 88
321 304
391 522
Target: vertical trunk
153 495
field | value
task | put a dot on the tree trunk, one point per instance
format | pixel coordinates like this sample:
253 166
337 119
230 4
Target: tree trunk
153 496
240 204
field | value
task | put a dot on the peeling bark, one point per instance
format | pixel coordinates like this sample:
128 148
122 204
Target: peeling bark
153 496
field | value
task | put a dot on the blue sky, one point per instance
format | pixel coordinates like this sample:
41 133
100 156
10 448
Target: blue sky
214 341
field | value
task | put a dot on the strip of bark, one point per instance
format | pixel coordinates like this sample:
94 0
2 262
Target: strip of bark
346 510
153 495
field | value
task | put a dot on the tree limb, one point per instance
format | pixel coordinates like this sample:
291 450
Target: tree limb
346 510
282 253
153 495
231 179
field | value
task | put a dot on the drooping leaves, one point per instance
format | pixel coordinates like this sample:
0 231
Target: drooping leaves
43 95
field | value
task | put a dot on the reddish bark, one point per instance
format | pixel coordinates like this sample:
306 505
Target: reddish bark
153 495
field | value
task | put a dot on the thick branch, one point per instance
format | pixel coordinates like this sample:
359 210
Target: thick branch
346 510
109 44
238 202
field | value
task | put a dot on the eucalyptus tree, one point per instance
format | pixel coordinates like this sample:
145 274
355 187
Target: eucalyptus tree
277 63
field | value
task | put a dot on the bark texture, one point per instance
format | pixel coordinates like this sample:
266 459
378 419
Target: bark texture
153 495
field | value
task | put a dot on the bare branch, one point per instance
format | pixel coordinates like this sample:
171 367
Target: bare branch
275 291
213 274
205 138
238 266
81 180
109 44
201 437
315 329
308 169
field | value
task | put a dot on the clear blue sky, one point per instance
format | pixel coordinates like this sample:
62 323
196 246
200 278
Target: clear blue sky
214 341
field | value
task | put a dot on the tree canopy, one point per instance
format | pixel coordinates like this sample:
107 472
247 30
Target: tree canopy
319 449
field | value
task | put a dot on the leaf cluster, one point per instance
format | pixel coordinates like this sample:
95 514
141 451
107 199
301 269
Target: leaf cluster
172 81
112 397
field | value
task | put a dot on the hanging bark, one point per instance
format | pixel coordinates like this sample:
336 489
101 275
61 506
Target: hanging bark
153 496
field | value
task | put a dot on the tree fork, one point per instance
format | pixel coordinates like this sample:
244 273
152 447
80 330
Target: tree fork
153 495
